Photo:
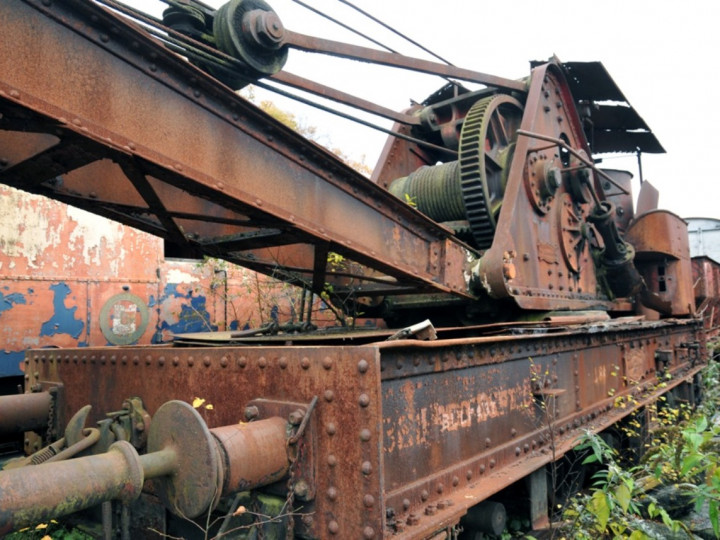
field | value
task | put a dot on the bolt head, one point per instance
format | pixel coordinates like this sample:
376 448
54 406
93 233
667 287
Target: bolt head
296 417
301 489
267 29
251 412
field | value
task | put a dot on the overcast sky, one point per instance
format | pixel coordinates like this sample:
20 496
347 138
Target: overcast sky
661 55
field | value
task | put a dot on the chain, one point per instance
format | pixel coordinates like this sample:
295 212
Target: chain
50 432
258 517
293 454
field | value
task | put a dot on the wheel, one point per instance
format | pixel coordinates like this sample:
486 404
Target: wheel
487 141
249 30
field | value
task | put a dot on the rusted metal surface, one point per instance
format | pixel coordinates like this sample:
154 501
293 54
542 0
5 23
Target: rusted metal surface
662 255
60 268
617 194
706 280
57 291
183 460
419 431
330 93
347 431
24 412
255 454
191 467
36 494
464 420
551 263
184 152
344 50
366 438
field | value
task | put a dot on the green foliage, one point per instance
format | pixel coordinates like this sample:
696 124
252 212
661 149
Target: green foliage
46 531
410 201
610 509
682 456
336 262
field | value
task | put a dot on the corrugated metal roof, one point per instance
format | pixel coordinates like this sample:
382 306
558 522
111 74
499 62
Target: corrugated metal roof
615 124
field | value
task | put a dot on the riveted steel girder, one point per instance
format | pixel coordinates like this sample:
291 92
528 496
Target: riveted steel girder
96 113
416 430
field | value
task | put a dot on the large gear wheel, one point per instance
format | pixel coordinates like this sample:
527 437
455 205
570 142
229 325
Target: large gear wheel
487 140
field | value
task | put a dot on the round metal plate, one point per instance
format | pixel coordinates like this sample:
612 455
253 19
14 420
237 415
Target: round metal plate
124 319
196 483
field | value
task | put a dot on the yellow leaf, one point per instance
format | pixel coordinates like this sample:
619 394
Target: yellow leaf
46 537
41 527
197 402
209 407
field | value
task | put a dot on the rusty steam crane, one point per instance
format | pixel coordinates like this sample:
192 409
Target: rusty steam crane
548 296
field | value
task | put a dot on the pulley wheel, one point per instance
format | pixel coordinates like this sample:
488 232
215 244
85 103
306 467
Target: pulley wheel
487 141
250 31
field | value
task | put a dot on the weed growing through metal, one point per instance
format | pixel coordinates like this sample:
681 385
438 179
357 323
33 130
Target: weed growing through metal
681 457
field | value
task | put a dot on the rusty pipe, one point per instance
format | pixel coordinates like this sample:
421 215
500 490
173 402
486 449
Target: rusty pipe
24 412
31 495
253 454
191 467
198 465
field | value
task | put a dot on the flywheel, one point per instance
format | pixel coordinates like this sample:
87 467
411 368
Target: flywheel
487 141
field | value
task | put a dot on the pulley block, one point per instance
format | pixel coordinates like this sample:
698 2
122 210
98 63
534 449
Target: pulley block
251 31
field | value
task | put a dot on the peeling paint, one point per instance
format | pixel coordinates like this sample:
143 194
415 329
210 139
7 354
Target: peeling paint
91 237
25 231
41 237
59 266
63 320
192 316
7 301
176 276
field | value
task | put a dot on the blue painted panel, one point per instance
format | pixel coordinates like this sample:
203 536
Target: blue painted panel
63 320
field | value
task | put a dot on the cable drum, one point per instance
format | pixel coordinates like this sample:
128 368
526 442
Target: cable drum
471 189
434 191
